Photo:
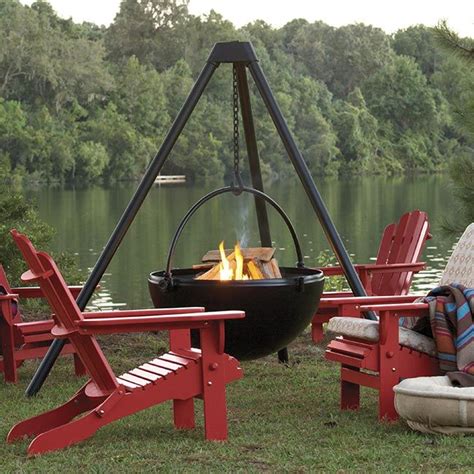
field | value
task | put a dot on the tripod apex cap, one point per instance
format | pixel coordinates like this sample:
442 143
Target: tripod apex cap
232 52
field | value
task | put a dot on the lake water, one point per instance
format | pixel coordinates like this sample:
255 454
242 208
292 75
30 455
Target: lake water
360 208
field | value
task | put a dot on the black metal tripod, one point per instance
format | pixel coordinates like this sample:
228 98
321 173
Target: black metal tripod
243 57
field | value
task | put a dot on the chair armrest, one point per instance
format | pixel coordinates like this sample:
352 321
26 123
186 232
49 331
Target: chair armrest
356 305
141 312
331 271
408 309
9 296
6 308
352 306
366 300
392 267
36 292
337 270
375 267
389 327
35 327
150 323
337 294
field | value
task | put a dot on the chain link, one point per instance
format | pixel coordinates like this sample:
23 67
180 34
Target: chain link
235 111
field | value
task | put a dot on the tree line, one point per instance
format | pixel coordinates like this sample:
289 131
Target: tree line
92 103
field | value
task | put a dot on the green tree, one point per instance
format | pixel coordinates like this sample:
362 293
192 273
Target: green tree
78 101
357 134
342 57
91 161
15 135
418 42
39 60
140 96
399 93
50 156
151 30
412 115
201 34
462 168
17 213
127 149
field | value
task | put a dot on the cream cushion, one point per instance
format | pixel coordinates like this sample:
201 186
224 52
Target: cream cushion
460 266
368 330
433 405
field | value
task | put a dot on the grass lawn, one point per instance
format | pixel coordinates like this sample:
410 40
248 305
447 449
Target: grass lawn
280 419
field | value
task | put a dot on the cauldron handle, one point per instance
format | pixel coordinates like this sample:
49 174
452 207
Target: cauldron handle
231 189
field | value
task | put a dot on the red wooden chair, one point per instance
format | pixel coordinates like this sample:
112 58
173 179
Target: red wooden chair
397 261
21 340
380 354
179 375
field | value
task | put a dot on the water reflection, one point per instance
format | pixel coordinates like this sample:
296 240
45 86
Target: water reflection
360 207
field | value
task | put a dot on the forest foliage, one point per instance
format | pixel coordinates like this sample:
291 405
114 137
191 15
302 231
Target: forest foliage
92 103
461 170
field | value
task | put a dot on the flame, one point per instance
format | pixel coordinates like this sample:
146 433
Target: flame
239 260
226 272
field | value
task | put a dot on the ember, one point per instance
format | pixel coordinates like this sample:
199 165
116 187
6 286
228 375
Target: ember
239 264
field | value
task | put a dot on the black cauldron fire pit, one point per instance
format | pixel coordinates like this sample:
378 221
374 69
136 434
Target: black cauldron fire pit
277 310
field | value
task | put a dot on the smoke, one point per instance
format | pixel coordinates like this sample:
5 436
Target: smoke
242 229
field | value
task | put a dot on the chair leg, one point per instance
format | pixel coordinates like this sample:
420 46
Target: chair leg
215 411
183 414
214 384
350 394
79 368
183 410
283 356
66 435
8 353
387 410
389 366
53 418
317 333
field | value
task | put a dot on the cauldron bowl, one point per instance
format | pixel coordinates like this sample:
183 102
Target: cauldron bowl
276 310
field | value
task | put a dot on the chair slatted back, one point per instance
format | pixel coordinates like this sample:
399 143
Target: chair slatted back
16 315
4 280
401 243
66 312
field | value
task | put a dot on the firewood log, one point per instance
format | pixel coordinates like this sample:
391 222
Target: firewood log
211 274
203 266
214 272
254 271
265 268
264 254
268 270
276 268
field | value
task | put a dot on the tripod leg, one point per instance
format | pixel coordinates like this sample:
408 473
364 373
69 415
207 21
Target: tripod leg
306 179
127 218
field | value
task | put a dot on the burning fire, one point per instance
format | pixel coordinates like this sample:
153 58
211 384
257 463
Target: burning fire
255 263
232 270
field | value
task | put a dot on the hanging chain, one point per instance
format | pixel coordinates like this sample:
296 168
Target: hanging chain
235 110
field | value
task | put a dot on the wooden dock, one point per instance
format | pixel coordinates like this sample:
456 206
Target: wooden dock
170 179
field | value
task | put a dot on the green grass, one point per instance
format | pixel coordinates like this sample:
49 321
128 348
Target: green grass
280 419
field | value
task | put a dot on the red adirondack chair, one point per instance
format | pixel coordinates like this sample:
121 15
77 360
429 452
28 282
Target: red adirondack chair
21 340
180 375
378 354
397 261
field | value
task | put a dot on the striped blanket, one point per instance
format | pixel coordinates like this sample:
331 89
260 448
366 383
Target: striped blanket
452 326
